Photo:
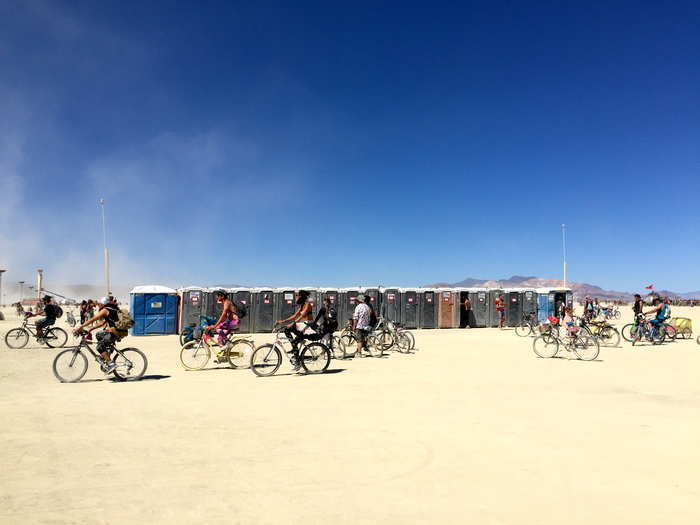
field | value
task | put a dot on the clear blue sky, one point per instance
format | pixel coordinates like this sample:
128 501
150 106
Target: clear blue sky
331 144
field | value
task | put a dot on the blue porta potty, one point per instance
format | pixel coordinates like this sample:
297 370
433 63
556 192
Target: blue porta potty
154 309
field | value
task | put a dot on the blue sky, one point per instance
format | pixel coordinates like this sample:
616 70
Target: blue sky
330 144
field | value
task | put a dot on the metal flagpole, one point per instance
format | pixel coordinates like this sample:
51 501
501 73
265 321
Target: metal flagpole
104 244
563 240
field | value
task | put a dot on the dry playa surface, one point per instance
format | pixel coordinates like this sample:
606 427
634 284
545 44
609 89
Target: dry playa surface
472 428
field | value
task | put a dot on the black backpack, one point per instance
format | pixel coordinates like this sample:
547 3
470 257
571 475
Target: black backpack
372 318
330 321
241 309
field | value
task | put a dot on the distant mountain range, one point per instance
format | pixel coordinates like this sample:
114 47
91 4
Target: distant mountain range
579 289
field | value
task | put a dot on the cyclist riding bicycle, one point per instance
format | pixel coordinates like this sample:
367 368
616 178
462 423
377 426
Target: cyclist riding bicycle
228 320
50 314
328 316
662 312
107 314
297 327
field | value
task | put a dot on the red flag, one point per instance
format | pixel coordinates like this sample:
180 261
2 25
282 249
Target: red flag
650 287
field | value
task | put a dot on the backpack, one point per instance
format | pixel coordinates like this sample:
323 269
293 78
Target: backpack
666 312
330 321
241 309
124 321
372 318
58 311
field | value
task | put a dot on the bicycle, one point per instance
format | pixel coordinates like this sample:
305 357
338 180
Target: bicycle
585 347
648 330
605 332
54 337
195 354
375 346
71 364
194 332
314 356
527 326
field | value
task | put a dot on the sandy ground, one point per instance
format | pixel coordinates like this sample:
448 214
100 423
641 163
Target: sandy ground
473 428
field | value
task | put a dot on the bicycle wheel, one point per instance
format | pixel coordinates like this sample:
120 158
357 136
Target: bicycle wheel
523 330
373 347
586 348
609 336
239 353
545 346
70 365
17 338
671 332
131 364
350 342
410 338
628 332
195 355
658 335
266 360
686 333
403 342
55 337
617 314
385 339
338 349
315 358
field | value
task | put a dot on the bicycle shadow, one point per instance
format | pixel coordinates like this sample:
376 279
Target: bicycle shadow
150 377
330 371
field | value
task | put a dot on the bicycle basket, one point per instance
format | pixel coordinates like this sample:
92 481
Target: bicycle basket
544 328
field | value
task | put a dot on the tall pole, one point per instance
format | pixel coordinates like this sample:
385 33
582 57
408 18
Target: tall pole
104 244
21 291
563 241
1 272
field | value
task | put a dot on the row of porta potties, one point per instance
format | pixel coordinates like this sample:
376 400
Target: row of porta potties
158 310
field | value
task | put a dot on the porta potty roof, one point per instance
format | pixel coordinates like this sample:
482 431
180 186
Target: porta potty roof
153 288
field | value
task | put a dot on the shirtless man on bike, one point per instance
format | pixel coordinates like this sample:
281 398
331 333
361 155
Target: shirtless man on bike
107 315
228 320
296 324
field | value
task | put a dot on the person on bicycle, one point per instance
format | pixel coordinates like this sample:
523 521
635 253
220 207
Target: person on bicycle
50 314
361 323
107 315
660 310
638 305
328 316
228 320
297 324
501 309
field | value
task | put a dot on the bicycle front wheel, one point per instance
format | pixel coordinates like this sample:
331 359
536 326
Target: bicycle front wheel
628 332
70 365
411 339
403 342
195 355
315 358
671 332
55 337
373 347
609 336
523 330
266 360
338 348
586 348
131 364
17 338
385 339
545 346
240 352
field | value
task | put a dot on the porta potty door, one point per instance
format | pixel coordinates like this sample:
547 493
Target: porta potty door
446 309
154 314
543 307
285 304
529 302
373 296
493 314
192 303
480 308
348 301
409 309
391 304
263 311
514 309
243 297
428 317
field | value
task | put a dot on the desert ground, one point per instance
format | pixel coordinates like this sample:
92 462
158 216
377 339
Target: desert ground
471 428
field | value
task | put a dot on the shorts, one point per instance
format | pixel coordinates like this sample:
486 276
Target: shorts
43 323
361 334
230 325
501 314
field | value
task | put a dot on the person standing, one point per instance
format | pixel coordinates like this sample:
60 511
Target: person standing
361 324
501 309
468 312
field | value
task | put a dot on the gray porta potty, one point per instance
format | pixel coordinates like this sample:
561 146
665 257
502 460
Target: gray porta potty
514 307
481 308
263 310
409 307
192 306
493 314
391 304
428 308
347 304
285 303
528 299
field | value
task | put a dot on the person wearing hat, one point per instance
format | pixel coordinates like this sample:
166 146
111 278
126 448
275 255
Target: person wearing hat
297 324
107 315
50 315
361 323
